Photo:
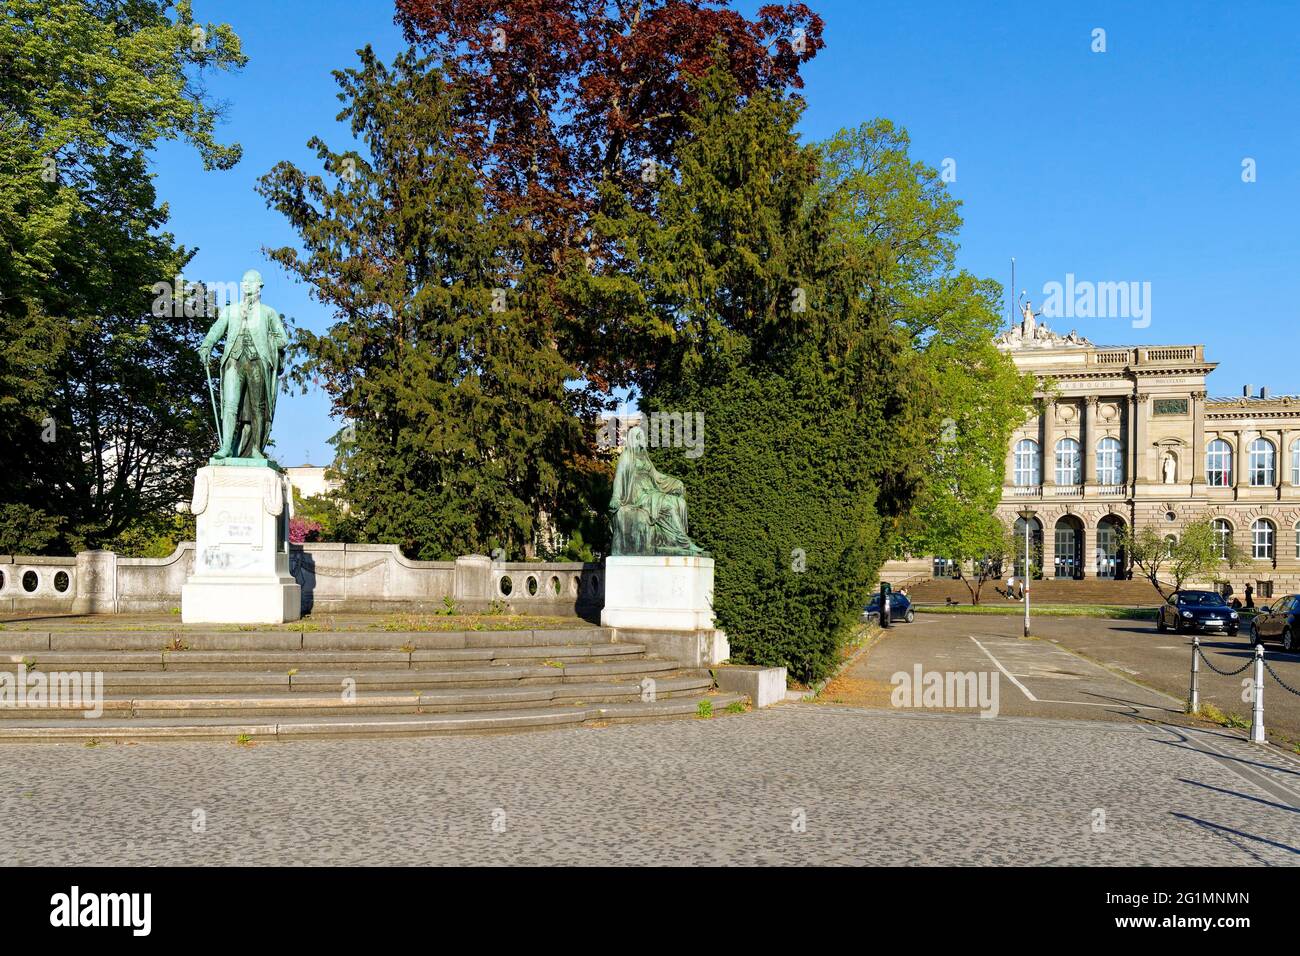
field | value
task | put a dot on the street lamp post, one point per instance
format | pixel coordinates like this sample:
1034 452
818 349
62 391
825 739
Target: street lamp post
1026 516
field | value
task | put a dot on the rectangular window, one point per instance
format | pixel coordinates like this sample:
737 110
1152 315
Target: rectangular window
1110 463
1262 536
1262 464
1067 464
1264 589
1218 465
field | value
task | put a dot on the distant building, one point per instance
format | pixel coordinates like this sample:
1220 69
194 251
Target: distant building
1129 436
310 480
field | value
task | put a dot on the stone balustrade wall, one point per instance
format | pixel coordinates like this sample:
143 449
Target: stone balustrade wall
334 577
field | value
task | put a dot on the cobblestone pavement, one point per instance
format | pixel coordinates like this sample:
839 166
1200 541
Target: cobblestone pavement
868 787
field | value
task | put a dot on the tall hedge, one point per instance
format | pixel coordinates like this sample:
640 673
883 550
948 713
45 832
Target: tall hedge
781 496
815 407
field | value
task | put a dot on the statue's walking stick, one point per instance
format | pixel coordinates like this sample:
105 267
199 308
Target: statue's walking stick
216 416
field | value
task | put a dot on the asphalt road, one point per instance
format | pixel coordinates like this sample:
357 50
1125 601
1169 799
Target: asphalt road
1123 649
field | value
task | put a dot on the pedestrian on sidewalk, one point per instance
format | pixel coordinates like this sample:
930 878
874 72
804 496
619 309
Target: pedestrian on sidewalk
1250 596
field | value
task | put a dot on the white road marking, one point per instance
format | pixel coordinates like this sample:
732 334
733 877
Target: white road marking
1010 676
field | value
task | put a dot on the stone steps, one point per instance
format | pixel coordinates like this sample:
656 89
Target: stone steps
274 683
335 680
445 700
284 640
231 728
1137 593
303 660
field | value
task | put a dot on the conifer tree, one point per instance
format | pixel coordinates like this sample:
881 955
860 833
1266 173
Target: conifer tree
461 431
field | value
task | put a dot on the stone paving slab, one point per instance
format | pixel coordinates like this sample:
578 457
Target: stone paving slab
870 787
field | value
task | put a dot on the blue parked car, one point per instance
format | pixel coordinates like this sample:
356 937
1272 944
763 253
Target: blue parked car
1197 611
1279 622
900 608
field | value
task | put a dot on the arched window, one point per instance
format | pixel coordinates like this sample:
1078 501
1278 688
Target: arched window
1171 543
1295 463
1110 462
1068 462
1297 542
1223 536
1028 471
1218 464
1263 463
1262 537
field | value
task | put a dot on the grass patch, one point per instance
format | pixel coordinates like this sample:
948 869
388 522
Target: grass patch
440 621
1215 716
435 619
704 709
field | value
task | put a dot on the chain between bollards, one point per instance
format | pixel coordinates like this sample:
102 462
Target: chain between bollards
1257 735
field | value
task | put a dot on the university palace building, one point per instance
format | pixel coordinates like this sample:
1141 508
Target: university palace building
1133 437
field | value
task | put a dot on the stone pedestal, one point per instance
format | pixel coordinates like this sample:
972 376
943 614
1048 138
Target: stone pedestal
666 603
241 555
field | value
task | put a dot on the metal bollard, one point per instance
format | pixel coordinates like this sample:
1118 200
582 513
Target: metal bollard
1257 710
1194 698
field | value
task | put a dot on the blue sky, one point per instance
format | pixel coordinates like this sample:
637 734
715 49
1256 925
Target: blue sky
1122 166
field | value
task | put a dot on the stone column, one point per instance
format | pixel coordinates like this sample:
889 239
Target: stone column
1089 550
1283 463
95 581
474 580
1198 439
1137 442
1090 440
1049 546
1048 416
1243 460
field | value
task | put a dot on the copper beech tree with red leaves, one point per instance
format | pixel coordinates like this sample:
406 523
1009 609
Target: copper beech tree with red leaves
566 99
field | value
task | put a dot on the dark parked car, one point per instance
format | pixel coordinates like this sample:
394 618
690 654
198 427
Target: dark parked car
1197 611
1280 622
900 608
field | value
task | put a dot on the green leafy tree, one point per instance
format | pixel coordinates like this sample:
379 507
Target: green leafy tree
808 393
441 356
980 547
1170 562
156 536
102 402
26 530
897 212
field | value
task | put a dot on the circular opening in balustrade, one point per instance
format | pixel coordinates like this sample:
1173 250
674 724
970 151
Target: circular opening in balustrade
505 585
556 589
595 584
575 585
61 581
3 579
531 585
31 581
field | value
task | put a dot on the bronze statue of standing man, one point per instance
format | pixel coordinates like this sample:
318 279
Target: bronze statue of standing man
250 372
